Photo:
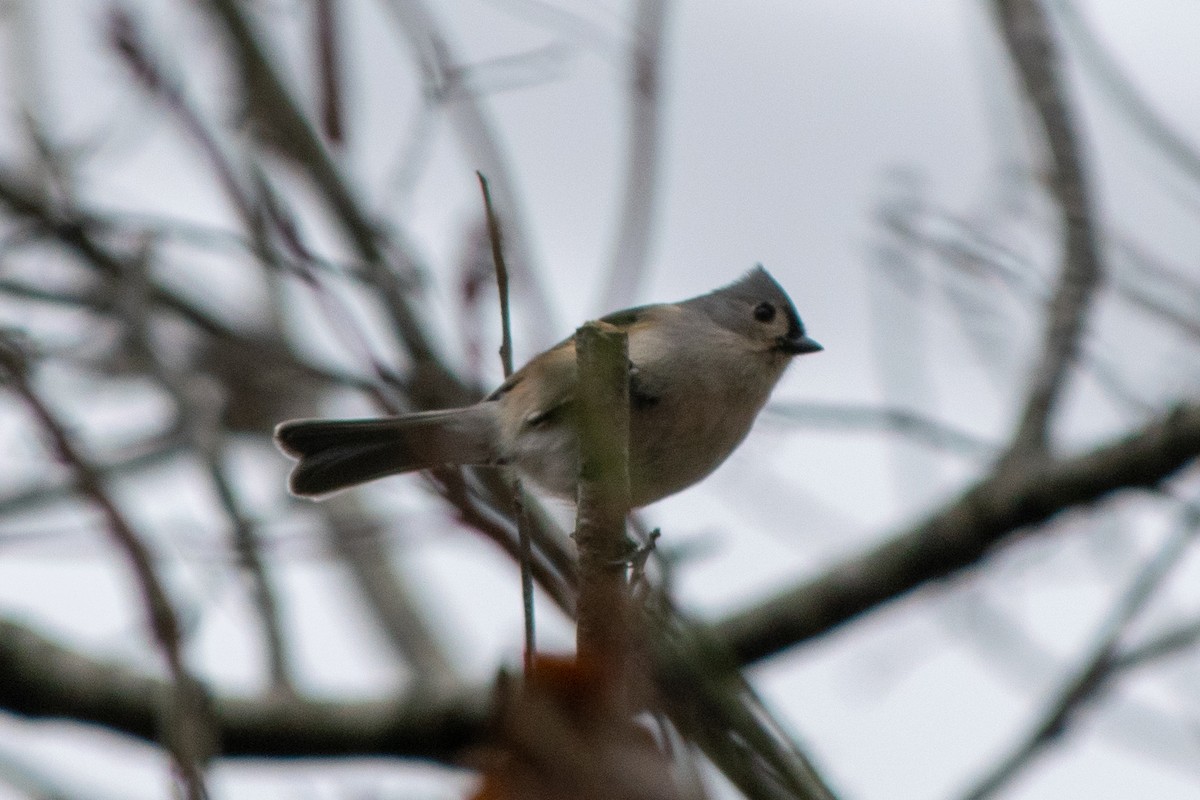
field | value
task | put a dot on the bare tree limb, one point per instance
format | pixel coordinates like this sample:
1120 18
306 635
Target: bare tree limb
45 680
962 533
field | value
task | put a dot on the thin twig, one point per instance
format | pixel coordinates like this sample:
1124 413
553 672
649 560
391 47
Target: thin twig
494 234
506 359
262 588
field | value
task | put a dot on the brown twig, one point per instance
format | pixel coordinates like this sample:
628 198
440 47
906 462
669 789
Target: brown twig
506 361
497 240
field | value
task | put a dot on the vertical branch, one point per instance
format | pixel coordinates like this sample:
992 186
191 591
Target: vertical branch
602 403
506 359
641 158
494 234
187 726
1031 44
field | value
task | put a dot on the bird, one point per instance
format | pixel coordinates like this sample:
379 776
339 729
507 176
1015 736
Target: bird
700 371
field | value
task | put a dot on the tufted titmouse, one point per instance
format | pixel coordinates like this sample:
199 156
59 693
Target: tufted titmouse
700 371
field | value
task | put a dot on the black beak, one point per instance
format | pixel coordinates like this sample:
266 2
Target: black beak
798 345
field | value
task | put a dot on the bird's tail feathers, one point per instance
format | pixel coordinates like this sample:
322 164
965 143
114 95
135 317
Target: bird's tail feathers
338 454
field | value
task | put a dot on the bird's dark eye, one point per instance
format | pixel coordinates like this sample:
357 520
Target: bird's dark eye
764 312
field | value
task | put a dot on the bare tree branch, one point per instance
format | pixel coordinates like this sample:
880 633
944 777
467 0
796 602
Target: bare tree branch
520 500
963 532
45 680
1172 641
714 704
143 455
285 126
1034 51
